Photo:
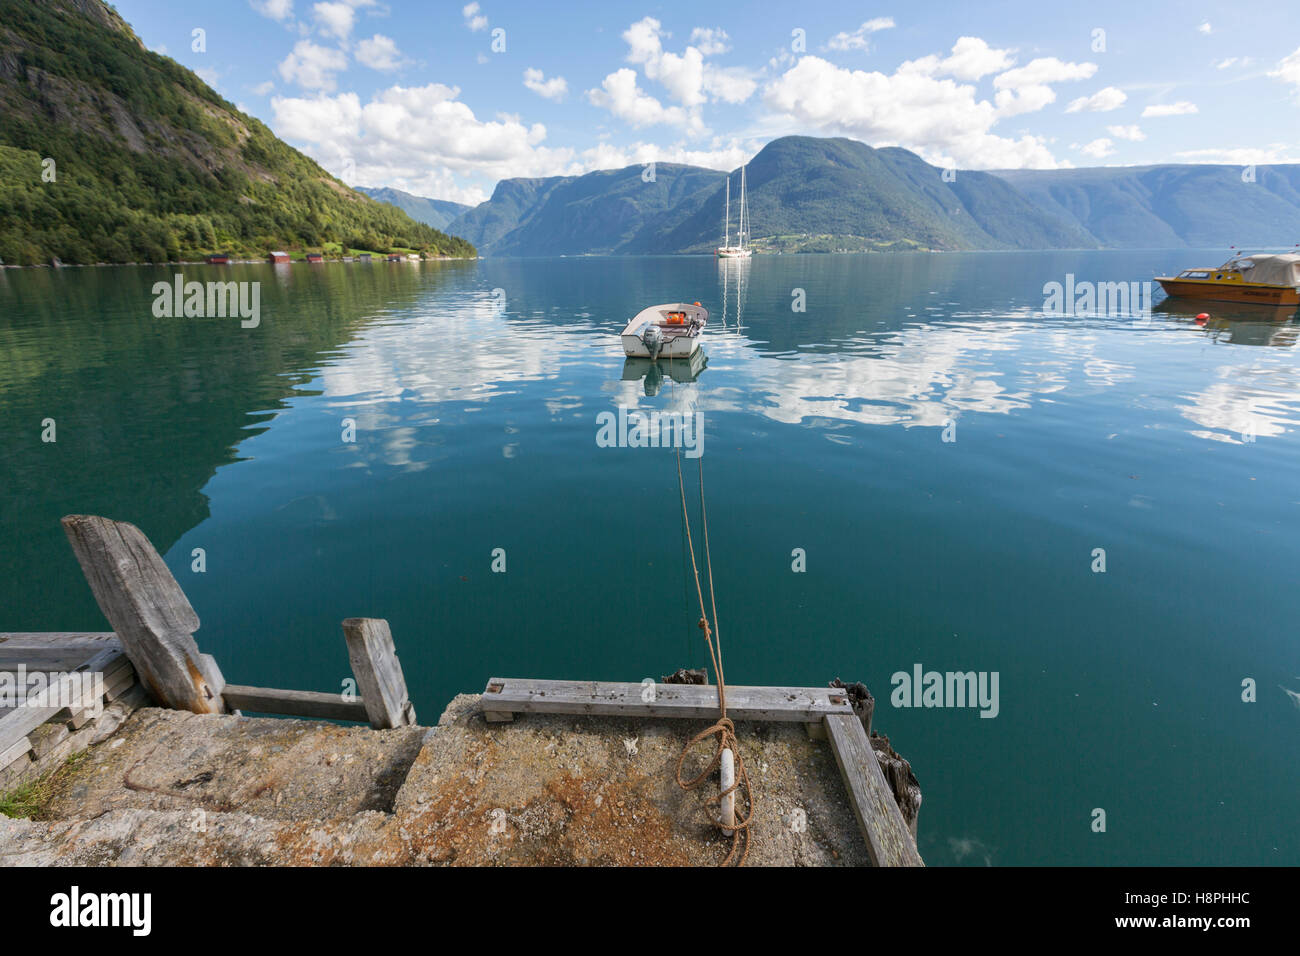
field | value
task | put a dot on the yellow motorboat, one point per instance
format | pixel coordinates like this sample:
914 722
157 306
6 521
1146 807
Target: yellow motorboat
1266 280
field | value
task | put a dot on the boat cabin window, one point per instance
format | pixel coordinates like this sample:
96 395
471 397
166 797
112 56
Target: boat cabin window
1191 274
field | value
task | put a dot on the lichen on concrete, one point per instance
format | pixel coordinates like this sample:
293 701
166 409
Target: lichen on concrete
172 788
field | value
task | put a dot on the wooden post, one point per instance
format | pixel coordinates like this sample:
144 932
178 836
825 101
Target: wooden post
378 672
148 611
889 840
490 715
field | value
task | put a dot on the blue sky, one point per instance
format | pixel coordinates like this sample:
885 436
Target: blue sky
445 99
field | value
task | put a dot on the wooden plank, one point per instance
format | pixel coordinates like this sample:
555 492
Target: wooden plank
46 639
14 752
119 684
43 658
46 738
148 611
21 721
799 704
295 703
889 841
378 672
114 671
115 667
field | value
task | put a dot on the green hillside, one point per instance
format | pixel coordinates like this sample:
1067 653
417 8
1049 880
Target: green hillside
848 195
432 212
149 163
608 211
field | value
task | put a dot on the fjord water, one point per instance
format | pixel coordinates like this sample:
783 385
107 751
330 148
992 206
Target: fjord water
475 389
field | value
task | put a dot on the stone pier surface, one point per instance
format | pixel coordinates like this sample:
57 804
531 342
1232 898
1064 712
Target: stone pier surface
175 788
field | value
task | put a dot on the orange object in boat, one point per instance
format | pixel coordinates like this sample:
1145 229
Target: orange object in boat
676 318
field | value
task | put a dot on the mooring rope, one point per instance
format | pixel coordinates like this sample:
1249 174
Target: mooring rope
723 729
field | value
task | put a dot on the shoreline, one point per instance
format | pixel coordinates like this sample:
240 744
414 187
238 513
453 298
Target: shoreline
232 262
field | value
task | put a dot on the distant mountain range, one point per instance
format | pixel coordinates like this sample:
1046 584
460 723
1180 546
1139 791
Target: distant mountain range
809 194
432 212
1169 206
805 194
609 211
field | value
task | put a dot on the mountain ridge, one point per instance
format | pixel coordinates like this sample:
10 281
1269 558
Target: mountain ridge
836 194
432 212
1171 204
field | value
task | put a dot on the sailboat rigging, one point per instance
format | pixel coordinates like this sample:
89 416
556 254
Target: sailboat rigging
739 250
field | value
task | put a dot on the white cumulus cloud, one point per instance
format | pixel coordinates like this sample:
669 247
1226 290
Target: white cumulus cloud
1288 70
1131 133
944 121
621 95
275 9
474 18
1181 108
710 40
380 53
1243 155
553 89
334 19
686 76
1045 69
427 142
1027 89
971 59
311 66
422 139
858 39
1098 148
1103 101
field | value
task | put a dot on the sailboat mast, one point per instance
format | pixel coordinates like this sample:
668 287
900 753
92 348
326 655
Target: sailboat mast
742 207
726 217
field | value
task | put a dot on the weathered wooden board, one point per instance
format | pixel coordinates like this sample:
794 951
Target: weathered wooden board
378 672
92 641
115 670
119 683
796 704
43 658
889 841
19 722
14 751
295 703
148 611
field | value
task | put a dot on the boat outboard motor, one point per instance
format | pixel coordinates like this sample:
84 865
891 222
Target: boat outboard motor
652 337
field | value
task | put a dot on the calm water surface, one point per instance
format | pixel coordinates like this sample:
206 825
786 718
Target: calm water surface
475 420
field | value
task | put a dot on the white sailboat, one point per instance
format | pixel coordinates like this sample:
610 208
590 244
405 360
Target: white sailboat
739 250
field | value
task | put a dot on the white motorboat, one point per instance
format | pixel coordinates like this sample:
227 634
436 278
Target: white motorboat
665 331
